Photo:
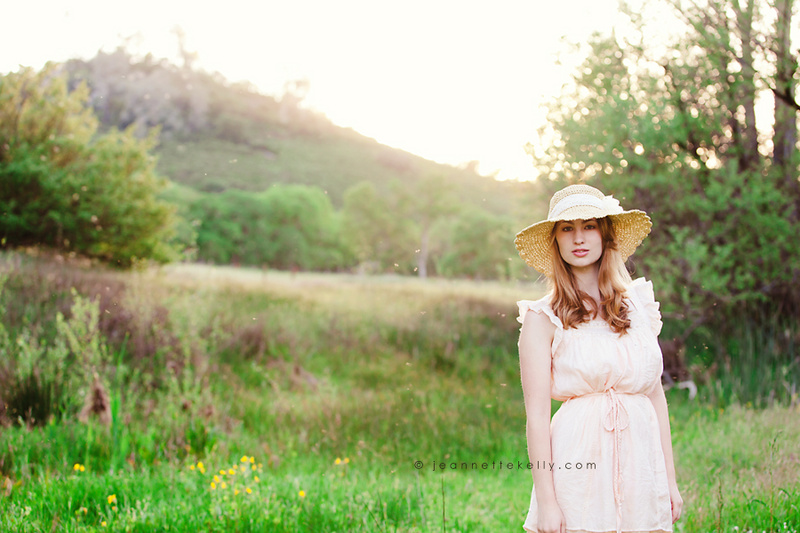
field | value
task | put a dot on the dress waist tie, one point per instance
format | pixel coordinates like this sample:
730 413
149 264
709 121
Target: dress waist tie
615 419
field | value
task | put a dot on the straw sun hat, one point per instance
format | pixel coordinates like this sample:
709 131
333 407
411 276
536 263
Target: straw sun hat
581 202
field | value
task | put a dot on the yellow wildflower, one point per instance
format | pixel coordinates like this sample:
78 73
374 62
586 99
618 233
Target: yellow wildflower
252 460
248 491
200 465
112 499
83 468
223 485
346 459
216 479
255 478
114 508
191 467
302 494
338 461
213 485
77 467
236 467
221 472
231 471
235 492
103 523
243 459
253 467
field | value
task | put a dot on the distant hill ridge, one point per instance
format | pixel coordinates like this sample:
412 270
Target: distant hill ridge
215 135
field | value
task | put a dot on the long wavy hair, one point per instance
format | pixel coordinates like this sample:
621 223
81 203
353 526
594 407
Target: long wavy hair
572 305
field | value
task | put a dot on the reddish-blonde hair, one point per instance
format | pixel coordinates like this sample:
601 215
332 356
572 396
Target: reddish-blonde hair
572 305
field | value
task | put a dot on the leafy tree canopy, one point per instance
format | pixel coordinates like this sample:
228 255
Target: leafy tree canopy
673 132
284 227
64 185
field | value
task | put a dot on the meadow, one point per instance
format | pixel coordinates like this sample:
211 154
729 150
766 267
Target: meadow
227 399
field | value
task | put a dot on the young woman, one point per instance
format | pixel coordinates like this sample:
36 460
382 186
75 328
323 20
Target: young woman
604 463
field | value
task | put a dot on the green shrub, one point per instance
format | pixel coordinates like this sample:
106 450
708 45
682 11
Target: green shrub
64 185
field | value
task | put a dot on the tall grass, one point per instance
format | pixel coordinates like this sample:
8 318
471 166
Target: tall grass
336 386
758 366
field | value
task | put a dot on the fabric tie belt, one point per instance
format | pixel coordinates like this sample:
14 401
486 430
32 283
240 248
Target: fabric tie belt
615 419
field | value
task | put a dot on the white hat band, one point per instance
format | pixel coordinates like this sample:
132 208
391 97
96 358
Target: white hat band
609 204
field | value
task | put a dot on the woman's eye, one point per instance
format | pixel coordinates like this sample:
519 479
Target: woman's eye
590 226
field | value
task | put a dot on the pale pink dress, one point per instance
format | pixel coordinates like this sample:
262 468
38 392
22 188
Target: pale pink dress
607 419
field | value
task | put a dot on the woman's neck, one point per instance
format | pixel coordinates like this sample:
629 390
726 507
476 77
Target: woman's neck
587 279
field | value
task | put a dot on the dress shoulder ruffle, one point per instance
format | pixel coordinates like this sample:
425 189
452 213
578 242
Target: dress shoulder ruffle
542 305
642 289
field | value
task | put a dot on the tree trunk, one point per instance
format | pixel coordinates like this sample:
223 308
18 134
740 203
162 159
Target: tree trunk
785 133
422 256
748 159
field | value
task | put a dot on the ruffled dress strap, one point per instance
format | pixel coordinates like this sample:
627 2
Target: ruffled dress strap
543 306
640 291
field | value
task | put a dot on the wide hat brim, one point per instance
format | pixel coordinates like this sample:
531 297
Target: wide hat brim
533 243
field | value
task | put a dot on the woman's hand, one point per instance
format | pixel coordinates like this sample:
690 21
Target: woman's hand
551 519
677 502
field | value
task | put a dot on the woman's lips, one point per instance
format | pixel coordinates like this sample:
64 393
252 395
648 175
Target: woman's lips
580 253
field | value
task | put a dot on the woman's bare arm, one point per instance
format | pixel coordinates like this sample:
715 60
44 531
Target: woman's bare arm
662 414
535 342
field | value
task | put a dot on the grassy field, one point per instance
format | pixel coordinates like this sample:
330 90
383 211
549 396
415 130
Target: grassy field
247 400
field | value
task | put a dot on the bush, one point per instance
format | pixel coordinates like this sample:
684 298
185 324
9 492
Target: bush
64 185
41 381
284 227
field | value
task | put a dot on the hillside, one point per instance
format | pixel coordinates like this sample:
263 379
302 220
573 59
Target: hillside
265 182
215 135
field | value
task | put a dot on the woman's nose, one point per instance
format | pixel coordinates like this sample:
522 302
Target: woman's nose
578 236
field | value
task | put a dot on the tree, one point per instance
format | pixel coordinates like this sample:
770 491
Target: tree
674 134
474 246
284 227
425 202
304 230
64 185
374 228
145 94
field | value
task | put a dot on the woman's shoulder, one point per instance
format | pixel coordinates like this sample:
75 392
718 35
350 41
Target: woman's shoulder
641 288
540 306
640 291
544 312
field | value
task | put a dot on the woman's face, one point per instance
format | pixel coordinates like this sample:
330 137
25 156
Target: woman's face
579 242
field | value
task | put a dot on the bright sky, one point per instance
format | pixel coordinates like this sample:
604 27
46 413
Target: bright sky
452 81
